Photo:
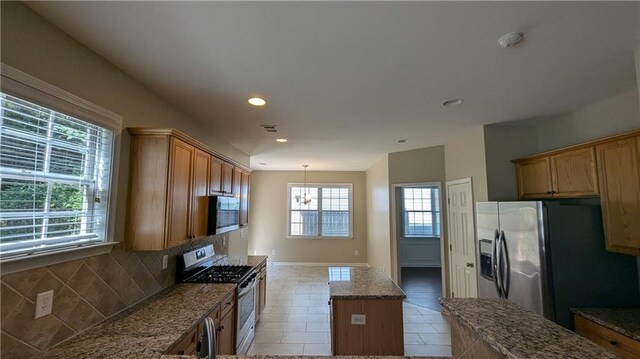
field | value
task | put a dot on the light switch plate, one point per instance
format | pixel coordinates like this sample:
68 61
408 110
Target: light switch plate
165 261
273 252
358 319
357 252
44 304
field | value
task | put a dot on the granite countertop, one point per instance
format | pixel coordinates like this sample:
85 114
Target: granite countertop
362 283
518 333
148 329
621 320
243 260
296 357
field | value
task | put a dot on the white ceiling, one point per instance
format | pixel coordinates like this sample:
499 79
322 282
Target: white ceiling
346 80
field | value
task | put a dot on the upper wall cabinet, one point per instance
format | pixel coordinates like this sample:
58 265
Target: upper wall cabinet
619 171
534 178
170 178
609 168
568 174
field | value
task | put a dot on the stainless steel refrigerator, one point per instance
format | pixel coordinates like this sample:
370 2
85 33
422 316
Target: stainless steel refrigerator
549 256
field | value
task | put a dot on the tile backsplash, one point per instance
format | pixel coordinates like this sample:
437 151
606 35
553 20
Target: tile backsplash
86 292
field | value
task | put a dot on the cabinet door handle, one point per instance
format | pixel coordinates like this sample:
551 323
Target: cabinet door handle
613 342
469 265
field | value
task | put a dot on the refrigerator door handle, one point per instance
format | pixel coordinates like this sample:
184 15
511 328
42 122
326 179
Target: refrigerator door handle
507 266
495 259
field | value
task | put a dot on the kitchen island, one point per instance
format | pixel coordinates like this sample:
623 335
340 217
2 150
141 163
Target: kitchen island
496 328
366 312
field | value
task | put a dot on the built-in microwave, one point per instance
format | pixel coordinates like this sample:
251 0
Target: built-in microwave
224 214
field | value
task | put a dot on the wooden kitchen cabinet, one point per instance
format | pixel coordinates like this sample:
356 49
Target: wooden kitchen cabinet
622 345
215 178
236 182
566 174
170 179
381 335
188 345
200 194
179 194
619 177
534 178
227 178
574 174
244 198
607 167
226 343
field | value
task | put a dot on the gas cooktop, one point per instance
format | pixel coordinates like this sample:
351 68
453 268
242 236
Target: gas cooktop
220 274
203 266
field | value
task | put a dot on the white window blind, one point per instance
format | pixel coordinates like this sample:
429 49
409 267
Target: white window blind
54 178
327 215
421 212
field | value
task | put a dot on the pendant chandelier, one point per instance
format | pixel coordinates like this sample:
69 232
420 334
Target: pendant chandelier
306 199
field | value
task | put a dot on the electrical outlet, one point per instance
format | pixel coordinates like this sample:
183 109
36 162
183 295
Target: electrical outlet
165 261
358 319
241 233
44 304
273 252
356 252
224 239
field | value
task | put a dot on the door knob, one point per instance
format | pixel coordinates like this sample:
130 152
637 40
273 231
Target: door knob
469 264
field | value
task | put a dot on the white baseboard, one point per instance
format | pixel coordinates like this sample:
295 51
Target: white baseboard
317 264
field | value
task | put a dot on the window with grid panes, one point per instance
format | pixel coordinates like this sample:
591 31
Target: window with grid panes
54 179
421 212
329 214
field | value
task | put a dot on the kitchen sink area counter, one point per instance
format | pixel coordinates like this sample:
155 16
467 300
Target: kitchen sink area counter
362 283
496 328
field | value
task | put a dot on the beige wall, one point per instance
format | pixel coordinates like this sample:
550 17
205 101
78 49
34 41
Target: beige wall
378 225
465 157
33 45
420 165
87 291
610 116
269 219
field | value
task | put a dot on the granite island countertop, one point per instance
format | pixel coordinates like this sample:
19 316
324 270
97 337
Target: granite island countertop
625 321
362 283
151 327
518 333
297 357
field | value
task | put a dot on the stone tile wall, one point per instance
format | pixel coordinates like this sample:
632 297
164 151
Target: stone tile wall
86 292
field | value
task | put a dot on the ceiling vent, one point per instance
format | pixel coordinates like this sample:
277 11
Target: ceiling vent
270 128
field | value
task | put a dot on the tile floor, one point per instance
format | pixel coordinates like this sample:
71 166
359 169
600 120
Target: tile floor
296 319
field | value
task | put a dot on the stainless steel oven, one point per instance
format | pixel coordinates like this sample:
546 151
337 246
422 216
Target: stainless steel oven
246 318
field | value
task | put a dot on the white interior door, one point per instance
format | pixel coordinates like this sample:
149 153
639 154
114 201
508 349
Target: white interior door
462 252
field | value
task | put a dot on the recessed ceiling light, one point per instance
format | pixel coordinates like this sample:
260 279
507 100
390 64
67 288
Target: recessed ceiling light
404 140
257 101
453 102
281 140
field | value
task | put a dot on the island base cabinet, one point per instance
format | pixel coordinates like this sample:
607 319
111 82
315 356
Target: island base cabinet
465 343
380 334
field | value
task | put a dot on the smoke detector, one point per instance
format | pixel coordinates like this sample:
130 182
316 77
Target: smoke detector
510 39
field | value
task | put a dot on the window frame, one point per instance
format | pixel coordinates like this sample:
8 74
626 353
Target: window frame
26 87
434 214
290 185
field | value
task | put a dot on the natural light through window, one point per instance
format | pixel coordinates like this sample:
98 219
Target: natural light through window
327 215
421 212
54 178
